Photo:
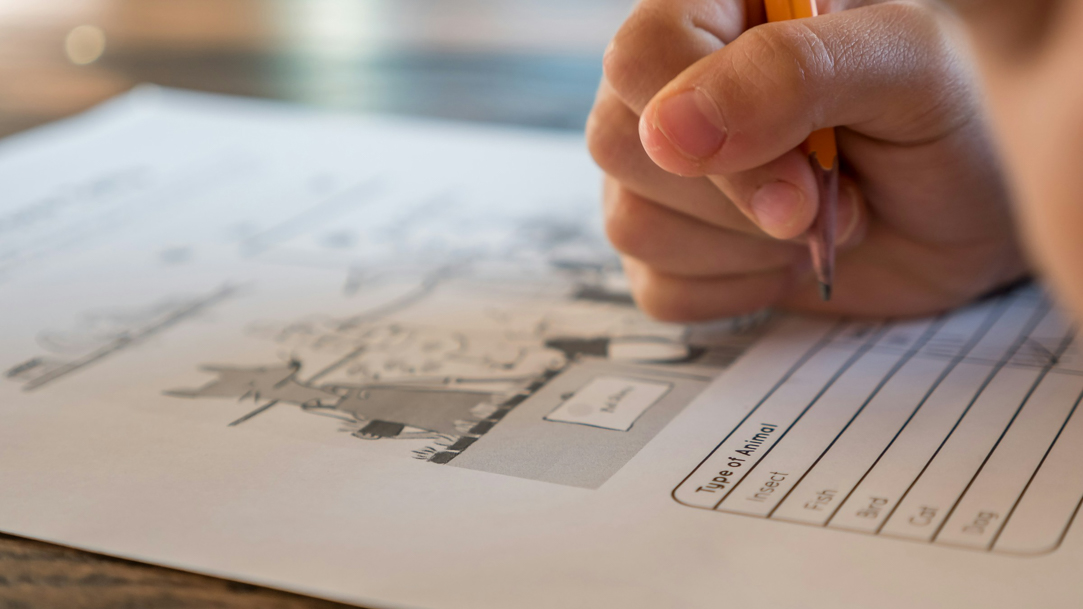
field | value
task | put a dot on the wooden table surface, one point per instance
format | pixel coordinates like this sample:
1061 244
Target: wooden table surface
528 62
35 574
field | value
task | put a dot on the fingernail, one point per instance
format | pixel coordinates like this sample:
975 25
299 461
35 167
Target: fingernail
776 206
691 121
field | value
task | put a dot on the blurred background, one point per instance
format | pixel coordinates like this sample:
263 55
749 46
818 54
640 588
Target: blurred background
526 62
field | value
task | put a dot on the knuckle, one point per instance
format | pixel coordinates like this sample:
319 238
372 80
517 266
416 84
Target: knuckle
922 36
645 294
607 141
910 14
797 56
915 31
928 61
639 44
619 65
627 224
660 298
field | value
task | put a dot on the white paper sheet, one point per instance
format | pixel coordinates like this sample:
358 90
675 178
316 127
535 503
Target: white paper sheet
392 362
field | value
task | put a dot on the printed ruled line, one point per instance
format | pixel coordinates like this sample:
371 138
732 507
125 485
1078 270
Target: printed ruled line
1039 310
1063 346
1034 474
993 317
861 351
813 350
929 333
1020 338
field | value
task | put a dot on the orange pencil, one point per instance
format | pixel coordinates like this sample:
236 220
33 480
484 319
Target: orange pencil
824 156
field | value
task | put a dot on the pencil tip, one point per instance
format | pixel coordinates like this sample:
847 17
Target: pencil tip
825 291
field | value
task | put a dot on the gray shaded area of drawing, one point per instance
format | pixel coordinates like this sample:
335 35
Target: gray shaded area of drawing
435 410
527 446
278 383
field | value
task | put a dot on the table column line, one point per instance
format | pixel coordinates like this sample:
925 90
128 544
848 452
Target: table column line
816 348
932 330
1034 474
1045 371
1033 323
990 321
861 351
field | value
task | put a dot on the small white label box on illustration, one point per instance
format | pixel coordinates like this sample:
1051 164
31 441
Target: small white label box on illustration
609 402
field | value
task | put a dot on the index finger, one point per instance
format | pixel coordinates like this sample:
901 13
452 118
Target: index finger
888 72
663 37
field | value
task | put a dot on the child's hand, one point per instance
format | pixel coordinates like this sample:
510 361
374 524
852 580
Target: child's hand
924 223
1030 52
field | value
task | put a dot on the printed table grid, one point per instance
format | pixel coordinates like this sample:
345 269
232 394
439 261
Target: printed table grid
958 431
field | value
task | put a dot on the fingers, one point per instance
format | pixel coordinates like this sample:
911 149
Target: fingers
692 252
779 197
663 37
613 140
682 235
681 299
782 199
676 244
886 276
656 43
887 71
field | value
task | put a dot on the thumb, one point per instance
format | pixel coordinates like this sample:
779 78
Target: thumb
887 71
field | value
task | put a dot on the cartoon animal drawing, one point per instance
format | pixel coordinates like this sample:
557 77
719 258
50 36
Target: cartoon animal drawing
276 383
390 411
375 411
449 375
413 403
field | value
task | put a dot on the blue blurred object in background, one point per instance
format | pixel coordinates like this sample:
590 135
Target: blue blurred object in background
527 62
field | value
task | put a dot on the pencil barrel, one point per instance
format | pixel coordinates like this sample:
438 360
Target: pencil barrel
821 235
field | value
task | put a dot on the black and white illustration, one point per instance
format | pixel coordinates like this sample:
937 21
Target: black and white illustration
459 323
564 386
518 351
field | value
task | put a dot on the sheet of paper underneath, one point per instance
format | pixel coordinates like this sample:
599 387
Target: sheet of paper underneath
393 362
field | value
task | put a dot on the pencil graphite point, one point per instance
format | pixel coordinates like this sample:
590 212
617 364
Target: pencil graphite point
825 291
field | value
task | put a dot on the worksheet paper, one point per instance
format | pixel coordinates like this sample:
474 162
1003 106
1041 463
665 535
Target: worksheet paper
392 362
